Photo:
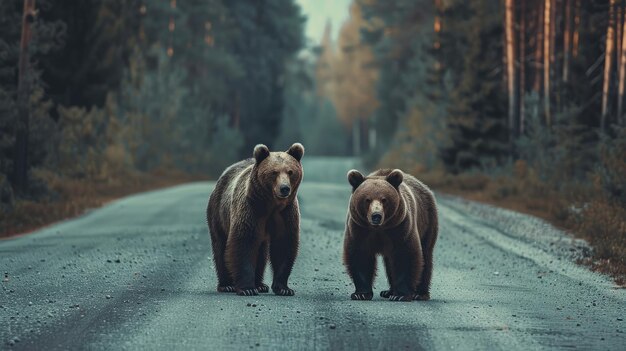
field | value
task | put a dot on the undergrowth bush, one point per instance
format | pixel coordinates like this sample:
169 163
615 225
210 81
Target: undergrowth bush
574 178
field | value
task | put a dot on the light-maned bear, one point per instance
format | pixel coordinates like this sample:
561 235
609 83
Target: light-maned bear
252 211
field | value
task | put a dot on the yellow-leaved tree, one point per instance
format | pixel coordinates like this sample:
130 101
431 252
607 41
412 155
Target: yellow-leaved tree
355 95
347 76
356 73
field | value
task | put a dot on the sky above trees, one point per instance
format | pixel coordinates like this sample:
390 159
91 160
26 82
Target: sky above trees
318 12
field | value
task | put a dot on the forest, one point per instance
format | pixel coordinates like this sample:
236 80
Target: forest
96 95
518 103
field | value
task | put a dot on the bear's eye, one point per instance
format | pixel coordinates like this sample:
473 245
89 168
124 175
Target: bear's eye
275 173
290 172
368 200
383 200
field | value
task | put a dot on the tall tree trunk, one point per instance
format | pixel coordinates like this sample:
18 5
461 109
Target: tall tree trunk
554 9
618 32
567 39
510 66
20 170
547 35
437 29
555 94
576 36
538 46
522 67
608 56
622 72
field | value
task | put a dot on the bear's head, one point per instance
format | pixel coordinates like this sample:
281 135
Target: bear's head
375 199
278 173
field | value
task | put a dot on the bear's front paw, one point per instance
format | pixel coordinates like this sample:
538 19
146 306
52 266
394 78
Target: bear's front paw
385 294
361 296
263 288
422 297
283 291
247 292
403 298
226 289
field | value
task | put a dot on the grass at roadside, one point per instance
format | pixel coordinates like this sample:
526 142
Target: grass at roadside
578 208
71 197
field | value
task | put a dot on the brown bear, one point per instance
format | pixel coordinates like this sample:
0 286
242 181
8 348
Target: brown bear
252 210
395 215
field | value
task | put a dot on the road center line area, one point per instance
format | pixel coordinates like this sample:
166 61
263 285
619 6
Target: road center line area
138 274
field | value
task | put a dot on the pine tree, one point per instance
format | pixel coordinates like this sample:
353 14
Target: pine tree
397 32
477 122
34 120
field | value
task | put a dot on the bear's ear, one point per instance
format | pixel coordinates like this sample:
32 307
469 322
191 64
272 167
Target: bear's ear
355 178
260 153
395 178
297 151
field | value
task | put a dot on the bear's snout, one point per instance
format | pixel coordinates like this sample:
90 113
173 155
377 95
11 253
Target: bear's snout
377 218
285 190
282 186
376 213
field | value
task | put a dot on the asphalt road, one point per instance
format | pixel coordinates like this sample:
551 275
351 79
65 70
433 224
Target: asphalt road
137 274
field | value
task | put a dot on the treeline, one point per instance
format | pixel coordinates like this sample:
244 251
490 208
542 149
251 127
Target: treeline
112 86
485 83
528 89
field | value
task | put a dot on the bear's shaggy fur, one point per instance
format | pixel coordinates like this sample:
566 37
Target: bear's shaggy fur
393 214
253 210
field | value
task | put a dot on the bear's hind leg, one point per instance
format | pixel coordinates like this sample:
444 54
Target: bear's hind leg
218 243
407 267
361 265
284 248
388 267
242 249
282 256
423 289
260 269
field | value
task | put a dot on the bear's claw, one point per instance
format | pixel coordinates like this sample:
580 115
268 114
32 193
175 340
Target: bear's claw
361 296
226 289
247 292
263 288
422 297
404 298
284 292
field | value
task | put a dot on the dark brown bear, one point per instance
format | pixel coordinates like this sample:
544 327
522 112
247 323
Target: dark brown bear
253 210
395 215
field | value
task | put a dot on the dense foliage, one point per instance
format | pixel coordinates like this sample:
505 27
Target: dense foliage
530 93
139 85
443 82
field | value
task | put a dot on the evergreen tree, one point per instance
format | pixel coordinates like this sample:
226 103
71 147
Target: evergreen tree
269 35
477 117
45 40
397 31
188 84
97 38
